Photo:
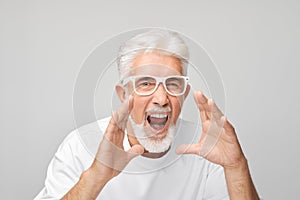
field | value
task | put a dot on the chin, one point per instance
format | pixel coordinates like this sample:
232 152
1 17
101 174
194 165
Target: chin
153 143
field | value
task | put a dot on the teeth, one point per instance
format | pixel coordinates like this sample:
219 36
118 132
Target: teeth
157 115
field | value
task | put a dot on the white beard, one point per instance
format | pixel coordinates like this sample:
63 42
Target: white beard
150 141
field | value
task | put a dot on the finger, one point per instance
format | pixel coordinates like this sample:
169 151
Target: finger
123 112
188 149
212 136
117 123
120 117
216 113
134 151
202 104
228 126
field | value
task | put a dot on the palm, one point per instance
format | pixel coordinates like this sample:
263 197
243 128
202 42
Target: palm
111 157
218 142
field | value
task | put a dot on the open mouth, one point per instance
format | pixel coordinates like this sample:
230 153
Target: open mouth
158 121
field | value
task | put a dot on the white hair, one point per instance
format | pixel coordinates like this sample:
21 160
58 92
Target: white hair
165 41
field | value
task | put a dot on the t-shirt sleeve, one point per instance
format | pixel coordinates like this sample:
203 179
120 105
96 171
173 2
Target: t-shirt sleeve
216 188
63 171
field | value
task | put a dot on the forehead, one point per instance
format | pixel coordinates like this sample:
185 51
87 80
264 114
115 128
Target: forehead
156 64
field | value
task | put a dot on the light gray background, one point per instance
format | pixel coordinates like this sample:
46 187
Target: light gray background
255 45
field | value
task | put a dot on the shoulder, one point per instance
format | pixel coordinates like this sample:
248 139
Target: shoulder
74 155
96 128
82 143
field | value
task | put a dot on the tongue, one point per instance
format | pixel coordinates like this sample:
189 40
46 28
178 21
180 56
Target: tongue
157 126
154 120
157 123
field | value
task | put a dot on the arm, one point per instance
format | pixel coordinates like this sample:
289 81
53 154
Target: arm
239 182
219 144
110 159
87 188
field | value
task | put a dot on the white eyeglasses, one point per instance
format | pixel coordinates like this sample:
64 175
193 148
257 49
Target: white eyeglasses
146 85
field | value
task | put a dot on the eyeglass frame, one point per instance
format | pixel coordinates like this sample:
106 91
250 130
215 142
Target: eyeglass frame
158 81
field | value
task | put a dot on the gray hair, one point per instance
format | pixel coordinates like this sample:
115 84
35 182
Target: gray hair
163 40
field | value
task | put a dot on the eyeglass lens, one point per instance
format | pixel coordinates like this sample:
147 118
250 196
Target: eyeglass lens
147 85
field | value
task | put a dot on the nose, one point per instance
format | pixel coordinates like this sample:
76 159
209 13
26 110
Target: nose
160 96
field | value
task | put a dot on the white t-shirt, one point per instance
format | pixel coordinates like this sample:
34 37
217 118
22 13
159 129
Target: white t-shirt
170 177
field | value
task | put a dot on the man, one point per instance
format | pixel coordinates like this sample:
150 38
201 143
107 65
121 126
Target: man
136 158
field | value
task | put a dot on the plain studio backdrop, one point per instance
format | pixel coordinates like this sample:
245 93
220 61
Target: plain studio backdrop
255 45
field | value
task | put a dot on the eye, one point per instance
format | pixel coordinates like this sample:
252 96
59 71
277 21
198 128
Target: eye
173 85
174 82
145 82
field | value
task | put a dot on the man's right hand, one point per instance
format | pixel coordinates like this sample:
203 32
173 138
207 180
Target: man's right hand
111 158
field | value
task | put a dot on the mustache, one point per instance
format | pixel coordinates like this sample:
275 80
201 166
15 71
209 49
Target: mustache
157 108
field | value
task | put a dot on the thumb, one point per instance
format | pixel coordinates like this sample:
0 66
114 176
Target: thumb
135 150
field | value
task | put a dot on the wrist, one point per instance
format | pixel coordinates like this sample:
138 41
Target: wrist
94 177
241 164
238 171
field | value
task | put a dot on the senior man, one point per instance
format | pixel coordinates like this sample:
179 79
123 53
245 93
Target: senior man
136 156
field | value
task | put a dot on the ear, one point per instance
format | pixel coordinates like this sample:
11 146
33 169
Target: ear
121 92
188 88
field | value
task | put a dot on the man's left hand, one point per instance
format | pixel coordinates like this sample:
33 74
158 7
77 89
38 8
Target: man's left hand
218 142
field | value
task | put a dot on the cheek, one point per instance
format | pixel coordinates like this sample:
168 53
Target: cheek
177 104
